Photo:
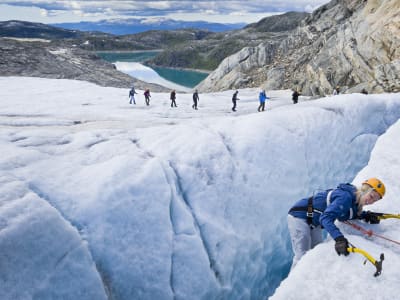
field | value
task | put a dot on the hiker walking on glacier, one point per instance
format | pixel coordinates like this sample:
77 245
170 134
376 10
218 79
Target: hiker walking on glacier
262 97
195 99
309 215
132 93
147 96
173 98
336 91
295 96
234 99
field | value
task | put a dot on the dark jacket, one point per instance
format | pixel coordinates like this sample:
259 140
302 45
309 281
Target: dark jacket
234 97
132 92
295 96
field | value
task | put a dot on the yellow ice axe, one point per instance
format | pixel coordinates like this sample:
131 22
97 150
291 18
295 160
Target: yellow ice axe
376 263
388 216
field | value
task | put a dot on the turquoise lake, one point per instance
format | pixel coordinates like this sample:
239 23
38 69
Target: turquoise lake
185 78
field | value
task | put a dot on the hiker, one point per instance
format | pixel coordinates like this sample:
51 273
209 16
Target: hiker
195 99
295 96
234 99
132 93
336 90
147 96
173 98
262 97
309 215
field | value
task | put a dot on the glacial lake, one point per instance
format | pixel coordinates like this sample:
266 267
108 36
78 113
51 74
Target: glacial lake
186 78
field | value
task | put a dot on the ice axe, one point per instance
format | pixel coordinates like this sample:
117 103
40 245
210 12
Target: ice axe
382 216
376 263
388 216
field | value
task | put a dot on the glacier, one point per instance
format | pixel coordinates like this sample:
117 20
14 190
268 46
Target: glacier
105 200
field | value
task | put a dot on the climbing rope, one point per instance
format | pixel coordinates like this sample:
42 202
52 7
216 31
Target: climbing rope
369 232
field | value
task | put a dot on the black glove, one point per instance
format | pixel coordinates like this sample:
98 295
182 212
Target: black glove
372 217
341 245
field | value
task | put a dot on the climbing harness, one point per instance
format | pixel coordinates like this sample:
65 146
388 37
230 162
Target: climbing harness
310 209
376 263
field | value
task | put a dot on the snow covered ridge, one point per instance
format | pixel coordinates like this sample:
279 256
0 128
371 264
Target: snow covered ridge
161 203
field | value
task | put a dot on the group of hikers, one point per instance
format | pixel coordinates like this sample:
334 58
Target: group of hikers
172 97
262 97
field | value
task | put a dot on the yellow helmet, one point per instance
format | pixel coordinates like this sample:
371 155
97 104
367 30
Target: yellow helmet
377 185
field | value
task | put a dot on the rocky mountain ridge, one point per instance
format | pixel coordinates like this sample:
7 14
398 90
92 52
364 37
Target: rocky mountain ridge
353 44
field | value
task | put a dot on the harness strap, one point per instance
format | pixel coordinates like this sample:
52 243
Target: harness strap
308 209
328 198
310 212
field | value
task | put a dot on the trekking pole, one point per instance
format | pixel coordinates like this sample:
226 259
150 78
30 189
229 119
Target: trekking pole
376 263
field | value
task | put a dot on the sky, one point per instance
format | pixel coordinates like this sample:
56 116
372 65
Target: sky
101 197
222 11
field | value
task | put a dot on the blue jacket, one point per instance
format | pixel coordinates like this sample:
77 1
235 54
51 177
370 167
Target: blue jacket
262 96
342 207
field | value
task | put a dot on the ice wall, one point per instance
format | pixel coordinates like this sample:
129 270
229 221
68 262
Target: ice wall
41 255
322 272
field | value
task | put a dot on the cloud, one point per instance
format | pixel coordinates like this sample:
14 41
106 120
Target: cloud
117 8
159 6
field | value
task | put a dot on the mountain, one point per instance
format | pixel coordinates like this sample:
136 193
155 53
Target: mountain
183 48
131 26
209 51
350 43
23 29
277 23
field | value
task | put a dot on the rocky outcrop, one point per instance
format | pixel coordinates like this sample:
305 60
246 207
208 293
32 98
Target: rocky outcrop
351 43
41 58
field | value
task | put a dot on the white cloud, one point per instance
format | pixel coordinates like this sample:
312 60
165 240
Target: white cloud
96 10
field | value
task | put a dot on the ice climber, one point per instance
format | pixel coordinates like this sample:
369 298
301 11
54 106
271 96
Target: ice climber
309 215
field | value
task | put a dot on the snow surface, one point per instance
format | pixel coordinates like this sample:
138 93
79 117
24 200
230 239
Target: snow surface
101 199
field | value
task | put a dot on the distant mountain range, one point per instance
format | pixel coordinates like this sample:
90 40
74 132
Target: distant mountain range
23 29
131 26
